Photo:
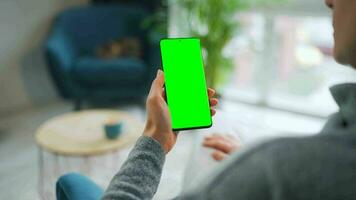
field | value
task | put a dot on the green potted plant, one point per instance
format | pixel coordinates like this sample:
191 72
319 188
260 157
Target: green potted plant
215 23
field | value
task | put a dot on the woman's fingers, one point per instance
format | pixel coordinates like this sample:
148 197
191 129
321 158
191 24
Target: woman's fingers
215 137
218 155
213 101
211 93
220 145
212 112
226 137
224 143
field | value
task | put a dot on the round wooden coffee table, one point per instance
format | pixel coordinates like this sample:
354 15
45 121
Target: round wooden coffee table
76 142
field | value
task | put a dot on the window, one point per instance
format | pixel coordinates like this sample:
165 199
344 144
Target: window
285 62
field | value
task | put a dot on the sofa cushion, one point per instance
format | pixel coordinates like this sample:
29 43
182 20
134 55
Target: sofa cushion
96 71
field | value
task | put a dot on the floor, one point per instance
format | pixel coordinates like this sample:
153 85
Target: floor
18 152
186 164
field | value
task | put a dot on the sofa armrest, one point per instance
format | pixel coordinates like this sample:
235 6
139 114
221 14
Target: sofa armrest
60 51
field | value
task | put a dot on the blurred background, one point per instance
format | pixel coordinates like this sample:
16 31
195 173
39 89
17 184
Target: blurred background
68 68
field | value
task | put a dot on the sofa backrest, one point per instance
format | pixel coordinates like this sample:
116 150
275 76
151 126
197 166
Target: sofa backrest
149 4
91 26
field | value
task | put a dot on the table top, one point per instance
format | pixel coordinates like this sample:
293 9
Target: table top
82 133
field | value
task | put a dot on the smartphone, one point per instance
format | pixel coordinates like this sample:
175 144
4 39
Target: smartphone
185 85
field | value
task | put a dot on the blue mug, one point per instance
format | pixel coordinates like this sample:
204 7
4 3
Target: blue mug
113 131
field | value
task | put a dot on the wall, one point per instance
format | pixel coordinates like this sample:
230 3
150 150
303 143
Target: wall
24 80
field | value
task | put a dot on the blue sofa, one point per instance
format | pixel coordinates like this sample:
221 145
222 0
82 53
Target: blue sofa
81 76
74 186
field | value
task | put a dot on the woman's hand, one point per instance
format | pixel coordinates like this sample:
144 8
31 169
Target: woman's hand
159 125
223 145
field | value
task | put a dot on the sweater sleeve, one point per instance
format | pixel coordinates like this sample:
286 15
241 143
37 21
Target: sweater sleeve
245 175
139 176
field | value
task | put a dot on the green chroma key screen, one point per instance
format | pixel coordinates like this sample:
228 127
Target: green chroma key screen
186 90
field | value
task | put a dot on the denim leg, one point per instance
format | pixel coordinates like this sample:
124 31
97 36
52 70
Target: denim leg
73 186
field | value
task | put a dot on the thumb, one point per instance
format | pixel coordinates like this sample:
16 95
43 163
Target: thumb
157 84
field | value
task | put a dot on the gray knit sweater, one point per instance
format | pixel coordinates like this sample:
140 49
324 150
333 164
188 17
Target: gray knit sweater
318 167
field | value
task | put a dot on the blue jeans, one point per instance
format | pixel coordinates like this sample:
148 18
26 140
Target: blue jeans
73 186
